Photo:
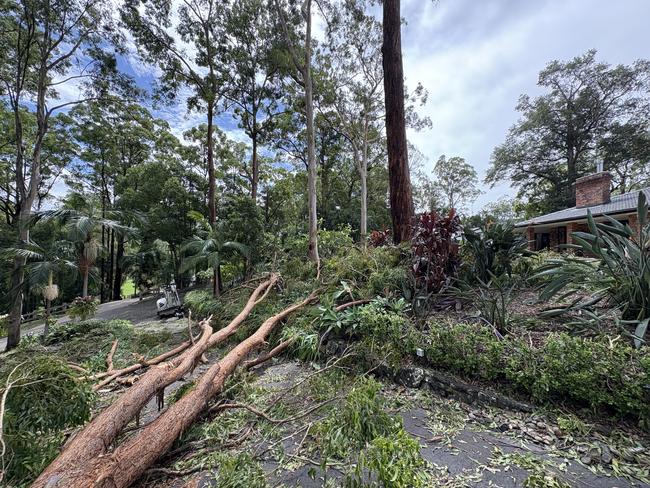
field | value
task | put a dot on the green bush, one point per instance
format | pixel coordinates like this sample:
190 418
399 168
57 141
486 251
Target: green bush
202 304
83 308
597 373
469 349
491 251
240 470
361 419
619 273
390 462
45 398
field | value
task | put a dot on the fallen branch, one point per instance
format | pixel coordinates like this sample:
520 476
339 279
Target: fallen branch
95 439
109 358
131 459
355 303
271 354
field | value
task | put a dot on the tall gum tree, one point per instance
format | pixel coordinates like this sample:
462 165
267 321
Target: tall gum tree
48 45
302 74
401 199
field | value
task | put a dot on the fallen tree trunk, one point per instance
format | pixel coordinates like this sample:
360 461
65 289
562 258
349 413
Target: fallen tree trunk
130 460
95 438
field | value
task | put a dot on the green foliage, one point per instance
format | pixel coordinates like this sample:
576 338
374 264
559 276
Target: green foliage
619 272
361 419
492 299
44 399
490 250
598 373
4 325
83 308
470 349
390 462
372 271
202 304
61 332
236 471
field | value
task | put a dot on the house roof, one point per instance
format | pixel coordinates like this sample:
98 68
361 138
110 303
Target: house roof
627 202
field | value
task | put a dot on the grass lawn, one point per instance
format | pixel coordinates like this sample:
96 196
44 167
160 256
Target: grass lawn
128 288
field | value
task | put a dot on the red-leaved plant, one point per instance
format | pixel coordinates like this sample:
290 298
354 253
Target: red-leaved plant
379 238
435 250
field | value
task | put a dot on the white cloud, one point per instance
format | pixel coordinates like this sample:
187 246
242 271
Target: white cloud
476 58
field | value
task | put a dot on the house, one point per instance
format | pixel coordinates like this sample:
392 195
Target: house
593 193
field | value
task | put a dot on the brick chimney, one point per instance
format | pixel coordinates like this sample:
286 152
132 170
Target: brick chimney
593 189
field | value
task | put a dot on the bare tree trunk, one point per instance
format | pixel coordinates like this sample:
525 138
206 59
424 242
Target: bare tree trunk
84 291
311 141
99 434
254 169
117 280
212 212
401 200
363 177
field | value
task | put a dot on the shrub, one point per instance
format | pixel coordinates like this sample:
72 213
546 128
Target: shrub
619 272
45 399
379 238
202 304
435 252
598 373
470 349
4 325
491 250
492 299
83 308
390 462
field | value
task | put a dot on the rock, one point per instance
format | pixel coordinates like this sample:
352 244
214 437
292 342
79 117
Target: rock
335 347
504 427
586 460
411 377
605 454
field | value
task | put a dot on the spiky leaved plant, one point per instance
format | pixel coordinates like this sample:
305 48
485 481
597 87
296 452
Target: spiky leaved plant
616 270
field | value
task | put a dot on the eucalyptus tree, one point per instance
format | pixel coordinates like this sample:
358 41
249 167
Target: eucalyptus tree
183 40
457 181
252 85
46 47
354 71
300 60
401 199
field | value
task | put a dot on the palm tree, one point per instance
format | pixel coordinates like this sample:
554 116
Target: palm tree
83 225
42 265
209 250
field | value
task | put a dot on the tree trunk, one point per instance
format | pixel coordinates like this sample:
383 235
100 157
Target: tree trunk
401 200
254 169
363 177
16 311
311 142
212 212
130 460
117 281
84 291
99 434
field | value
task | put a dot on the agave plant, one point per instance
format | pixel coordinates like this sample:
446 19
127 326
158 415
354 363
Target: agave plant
209 249
617 271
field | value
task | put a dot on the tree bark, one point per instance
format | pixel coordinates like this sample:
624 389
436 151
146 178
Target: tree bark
254 168
311 141
99 434
401 200
212 212
117 280
129 461
84 291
